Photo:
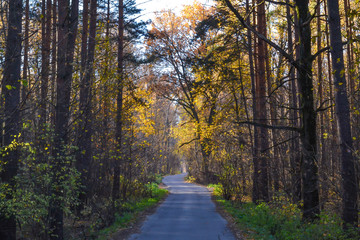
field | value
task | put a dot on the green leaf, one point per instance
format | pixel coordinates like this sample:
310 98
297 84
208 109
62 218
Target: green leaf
24 82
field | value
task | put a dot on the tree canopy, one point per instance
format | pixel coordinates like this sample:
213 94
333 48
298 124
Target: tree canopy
261 97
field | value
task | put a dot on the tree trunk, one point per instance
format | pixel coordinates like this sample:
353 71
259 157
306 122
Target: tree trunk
323 161
353 96
67 29
275 157
106 100
309 169
24 89
348 172
53 62
11 96
253 77
349 55
295 160
45 70
84 154
53 59
261 175
334 161
45 59
84 39
119 101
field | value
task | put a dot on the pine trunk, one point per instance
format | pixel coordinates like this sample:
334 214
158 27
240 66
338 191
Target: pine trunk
323 160
83 161
261 174
11 95
67 29
119 101
348 172
293 99
24 89
53 59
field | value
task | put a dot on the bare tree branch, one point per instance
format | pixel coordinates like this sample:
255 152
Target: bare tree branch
280 143
295 129
280 3
186 143
324 50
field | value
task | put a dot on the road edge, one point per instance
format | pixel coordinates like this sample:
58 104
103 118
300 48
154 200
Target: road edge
135 227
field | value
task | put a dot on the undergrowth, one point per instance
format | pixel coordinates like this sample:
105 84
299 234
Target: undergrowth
281 220
130 210
190 179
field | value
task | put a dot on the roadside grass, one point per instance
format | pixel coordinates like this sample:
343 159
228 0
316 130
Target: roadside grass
131 210
281 220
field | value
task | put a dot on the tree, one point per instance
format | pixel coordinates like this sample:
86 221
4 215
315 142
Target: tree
11 94
45 66
26 49
303 65
348 169
309 167
119 103
261 192
294 147
323 160
67 30
85 132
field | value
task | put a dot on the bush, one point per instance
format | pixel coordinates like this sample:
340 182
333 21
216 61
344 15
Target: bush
31 194
190 179
217 189
282 221
131 209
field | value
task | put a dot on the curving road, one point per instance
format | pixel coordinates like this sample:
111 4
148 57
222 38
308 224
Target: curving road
187 214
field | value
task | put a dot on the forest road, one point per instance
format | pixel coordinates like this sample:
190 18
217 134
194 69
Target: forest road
187 214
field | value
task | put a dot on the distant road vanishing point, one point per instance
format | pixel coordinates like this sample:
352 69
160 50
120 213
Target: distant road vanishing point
187 214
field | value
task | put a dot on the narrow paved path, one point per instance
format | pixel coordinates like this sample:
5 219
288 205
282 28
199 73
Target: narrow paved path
187 214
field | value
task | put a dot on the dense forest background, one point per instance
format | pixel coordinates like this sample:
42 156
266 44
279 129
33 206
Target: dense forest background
259 96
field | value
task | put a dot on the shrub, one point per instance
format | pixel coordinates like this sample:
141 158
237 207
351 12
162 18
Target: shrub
131 209
282 221
31 194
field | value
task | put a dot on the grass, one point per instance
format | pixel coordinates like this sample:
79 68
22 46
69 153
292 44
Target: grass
132 209
281 220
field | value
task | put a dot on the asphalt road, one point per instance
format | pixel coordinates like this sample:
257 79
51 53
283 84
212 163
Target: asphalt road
187 214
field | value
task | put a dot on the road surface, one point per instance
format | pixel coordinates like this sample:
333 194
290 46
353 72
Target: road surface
187 214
